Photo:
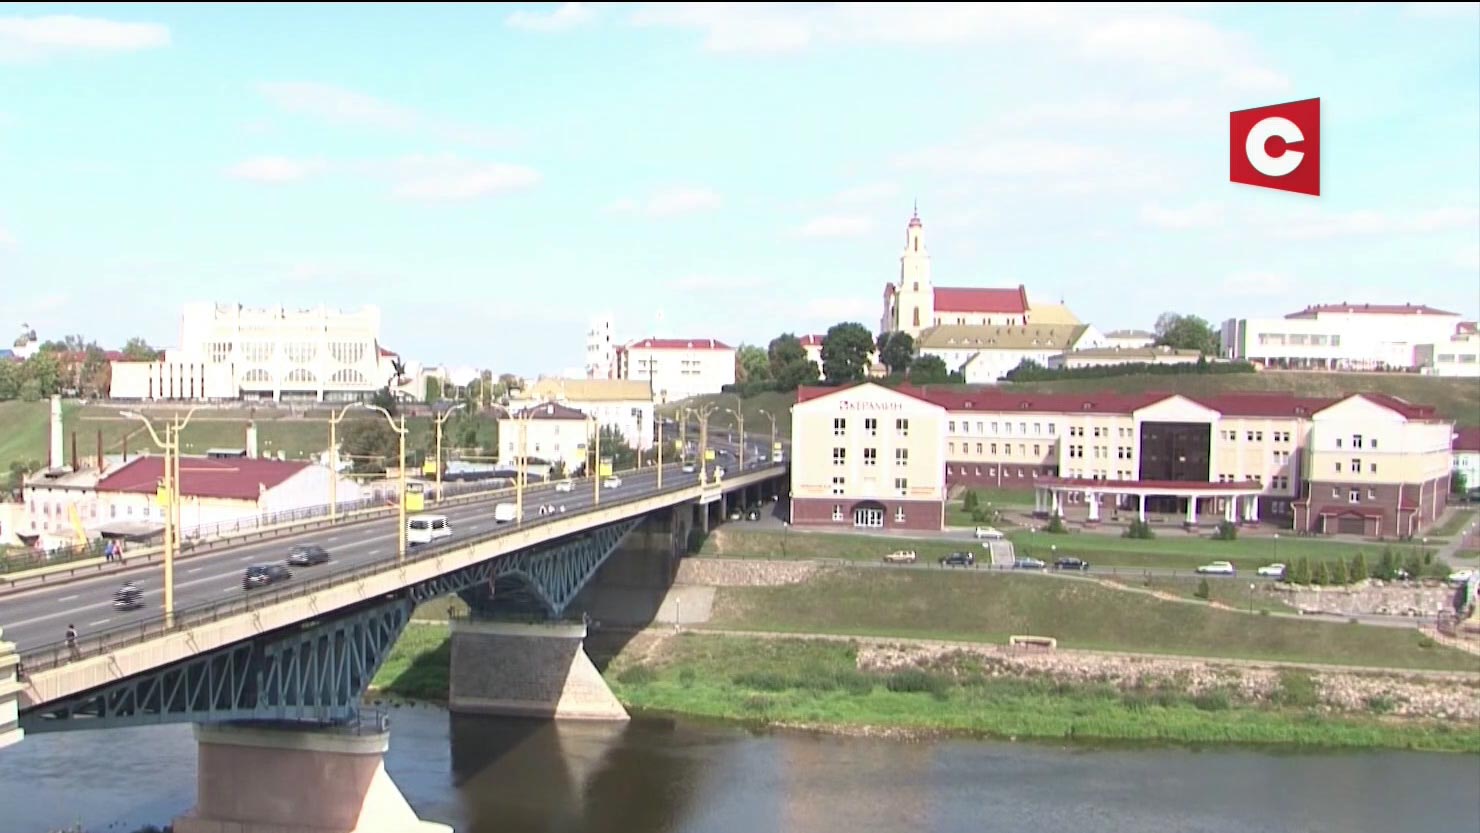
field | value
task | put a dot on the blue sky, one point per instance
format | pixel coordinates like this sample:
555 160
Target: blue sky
492 176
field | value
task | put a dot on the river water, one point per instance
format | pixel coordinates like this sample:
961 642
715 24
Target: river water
485 775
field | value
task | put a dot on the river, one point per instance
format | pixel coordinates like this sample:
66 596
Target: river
487 775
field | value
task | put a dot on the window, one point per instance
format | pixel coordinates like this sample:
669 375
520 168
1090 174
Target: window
979 425
950 448
951 426
993 446
1372 494
1037 428
899 514
994 428
1354 496
1356 441
1335 492
837 485
1037 450
840 426
1356 466
840 456
1338 442
870 456
902 426
1372 468
1023 428
978 448
1007 428
902 485
901 456
1052 429
1338 467
837 512
1372 443
871 425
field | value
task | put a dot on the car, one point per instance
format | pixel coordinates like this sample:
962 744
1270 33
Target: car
1217 568
958 559
1460 576
736 514
565 486
989 533
613 482
1068 563
1271 571
753 515
760 458
1025 563
900 557
261 575
306 555
689 468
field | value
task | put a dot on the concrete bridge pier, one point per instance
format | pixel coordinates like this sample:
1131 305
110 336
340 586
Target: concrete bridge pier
527 669
10 690
282 778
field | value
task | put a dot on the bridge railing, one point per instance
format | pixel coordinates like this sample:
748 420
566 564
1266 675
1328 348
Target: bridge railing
56 654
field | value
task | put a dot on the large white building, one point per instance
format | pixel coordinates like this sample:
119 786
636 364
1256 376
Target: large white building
1341 337
228 351
678 368
1459 356
622 404
550 432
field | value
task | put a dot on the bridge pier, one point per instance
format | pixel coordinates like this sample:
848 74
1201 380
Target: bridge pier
279 778
527 669
10 690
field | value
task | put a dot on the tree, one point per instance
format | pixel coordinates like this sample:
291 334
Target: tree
1458 482
614 445
752 364
1203 591
798 374
1322 574
370 443
790 366
96 372
1186 332
1299 572
1338 573
970 502
383 398
896 351
434 389
45 371
1359 568
138 350
10 379
510 382
845 353
929 370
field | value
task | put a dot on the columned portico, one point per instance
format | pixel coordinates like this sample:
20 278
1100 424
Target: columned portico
1093 499
1050 495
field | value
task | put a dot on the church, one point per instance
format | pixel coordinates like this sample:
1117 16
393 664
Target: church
915 304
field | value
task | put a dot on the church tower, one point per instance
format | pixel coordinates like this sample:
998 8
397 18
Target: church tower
914 304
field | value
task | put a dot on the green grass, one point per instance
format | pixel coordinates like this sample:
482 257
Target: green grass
745 543
419 665
813 682
756 423
1080 614
1458 520
1235 594
956 515
1173 548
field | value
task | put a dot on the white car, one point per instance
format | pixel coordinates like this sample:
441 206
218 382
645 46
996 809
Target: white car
689 468
1272 571
1217 568
989 533
900 557
1461 576
613 482
565 486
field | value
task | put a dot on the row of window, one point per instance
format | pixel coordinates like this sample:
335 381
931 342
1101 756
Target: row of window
976 471
1006 428
870 427
1097 474
992 449
1353 494
840 485
60 509
868 518
1357 442
1356 467
871 456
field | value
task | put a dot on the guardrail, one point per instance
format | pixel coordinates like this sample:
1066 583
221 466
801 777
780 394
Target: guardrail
56 654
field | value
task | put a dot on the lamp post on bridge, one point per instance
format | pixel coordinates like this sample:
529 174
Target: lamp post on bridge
703 412
772 418
441 419
171 488
401 502
739 414
334 421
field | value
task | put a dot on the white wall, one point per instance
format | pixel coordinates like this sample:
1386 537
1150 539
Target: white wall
680 373
1336 341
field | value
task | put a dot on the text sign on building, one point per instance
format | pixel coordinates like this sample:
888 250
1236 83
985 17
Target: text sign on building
847 405
1278 146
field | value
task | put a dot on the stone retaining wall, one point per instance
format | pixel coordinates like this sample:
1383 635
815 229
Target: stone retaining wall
1396 599
724 572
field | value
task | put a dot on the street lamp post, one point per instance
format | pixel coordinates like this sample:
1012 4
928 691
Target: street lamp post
739 414
772 418
595 460
334 459
1251 597
520 475
441 419
660 453
400 504
703 412
171 447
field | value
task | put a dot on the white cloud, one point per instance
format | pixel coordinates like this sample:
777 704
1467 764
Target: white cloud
31 38
669 202
1442 10
566 16
448 179
1312 225
1195 216
1153 36
1015 158
1165 114
345 106
1256 285
274 169
836 226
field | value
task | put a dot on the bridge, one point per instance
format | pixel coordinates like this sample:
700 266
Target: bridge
274 677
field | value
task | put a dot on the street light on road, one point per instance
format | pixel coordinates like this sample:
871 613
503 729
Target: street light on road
703 413
441 419
334 458
171 446
401 502
739 414
772 418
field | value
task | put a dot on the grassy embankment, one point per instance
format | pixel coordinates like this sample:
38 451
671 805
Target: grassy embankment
1176 551
296 435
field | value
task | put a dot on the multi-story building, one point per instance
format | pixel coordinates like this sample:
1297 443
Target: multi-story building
1466 449
1129 339
622 404
601 349
867 456
1110 356
678 368
228 351
1340 337
985 354
1237 456
550 432
1459 356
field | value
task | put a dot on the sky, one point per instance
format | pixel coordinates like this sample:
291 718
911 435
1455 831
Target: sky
493 176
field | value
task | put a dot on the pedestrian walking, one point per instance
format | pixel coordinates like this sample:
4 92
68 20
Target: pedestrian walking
72 641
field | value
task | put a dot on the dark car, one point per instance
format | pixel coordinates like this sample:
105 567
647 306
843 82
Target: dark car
959 559
307 555
1071 564
261 575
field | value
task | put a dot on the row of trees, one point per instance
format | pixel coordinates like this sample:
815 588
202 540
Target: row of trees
72 366
848 352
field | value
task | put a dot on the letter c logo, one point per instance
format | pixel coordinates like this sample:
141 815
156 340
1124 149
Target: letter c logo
1281 165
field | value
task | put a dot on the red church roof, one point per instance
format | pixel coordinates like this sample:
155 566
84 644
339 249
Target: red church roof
962 299
238 478
679 344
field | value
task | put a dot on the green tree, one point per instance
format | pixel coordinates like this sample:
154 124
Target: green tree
1414 565
1186 332
1359 568
1203 591
783 351
970 501
383 398
929 370
10 380
798 374
96 373
1387 565
434 389
510 382
1458 482
896 351
1338 573
370 443
1299 572
752 364
614 445
138 350
45 371
1322 574
845 353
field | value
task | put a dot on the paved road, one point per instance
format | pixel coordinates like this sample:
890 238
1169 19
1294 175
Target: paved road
37 617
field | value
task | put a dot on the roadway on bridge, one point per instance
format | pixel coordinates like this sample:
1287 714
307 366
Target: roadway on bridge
38 617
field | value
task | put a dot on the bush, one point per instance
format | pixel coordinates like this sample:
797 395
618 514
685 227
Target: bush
1227 531
970 502
1338 573
913 680
1359 568
1426 642
686 677
1299 571
1056 526
1297 689
1321 575
1203 591
1212 700
636 675
1140 530
1438 569
1380 704
1031 371
762 680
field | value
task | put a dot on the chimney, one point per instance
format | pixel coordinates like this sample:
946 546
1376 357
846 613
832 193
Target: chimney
56 432
101 465
252 440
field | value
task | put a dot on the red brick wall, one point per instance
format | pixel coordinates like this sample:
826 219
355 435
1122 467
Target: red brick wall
817 512
1430 500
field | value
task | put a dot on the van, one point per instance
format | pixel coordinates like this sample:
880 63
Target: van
424 529
505 513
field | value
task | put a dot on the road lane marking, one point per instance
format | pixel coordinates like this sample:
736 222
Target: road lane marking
67 598
191 570
99 622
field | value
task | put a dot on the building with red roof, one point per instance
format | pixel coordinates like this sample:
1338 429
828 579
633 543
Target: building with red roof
678 368
1365 464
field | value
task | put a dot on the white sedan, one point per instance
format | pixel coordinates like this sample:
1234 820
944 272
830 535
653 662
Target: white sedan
565 486
1272 571
613 482
989 533
1217 568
